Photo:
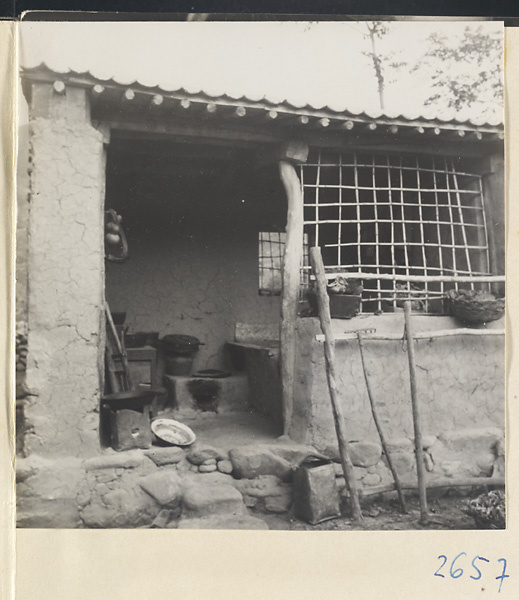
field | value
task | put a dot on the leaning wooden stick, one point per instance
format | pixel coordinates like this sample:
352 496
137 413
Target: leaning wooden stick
415 402
391 466
323 304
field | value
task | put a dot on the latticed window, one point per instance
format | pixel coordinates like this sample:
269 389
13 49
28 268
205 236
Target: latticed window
271 255
396 215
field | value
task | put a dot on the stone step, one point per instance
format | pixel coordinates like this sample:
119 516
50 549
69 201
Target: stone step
201 500
223 522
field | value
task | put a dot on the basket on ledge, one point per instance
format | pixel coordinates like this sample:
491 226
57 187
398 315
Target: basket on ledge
475 307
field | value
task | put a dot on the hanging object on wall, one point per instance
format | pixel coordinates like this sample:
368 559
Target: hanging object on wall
115 240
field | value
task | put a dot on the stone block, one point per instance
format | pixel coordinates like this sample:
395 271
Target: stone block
163 486
203 500
484 462
404 463
165 456
126 460
261 487
250 501
225 466
252 461
25 467
224 522
199 453
121 508
371 479
209 461
428 441
471 440
452 468
292 452
161 520
362 454
400 445
207 468
278 504
106 476
197 478
365 454
37 513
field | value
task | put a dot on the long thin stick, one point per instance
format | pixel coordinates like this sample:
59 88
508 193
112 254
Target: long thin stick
444 482
418 335
387 454
127 383
418 278
415 403
323 304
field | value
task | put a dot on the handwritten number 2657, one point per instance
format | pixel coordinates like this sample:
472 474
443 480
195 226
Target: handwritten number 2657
456 572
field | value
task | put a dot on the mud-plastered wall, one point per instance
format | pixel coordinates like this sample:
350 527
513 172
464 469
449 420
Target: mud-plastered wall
460 380
66 274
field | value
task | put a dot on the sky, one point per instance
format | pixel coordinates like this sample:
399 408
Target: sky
319 63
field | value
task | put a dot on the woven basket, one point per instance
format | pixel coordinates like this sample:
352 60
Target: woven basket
475 307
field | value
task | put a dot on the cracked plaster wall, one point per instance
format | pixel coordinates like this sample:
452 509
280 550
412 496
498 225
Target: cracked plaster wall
461 382
199 282
66 275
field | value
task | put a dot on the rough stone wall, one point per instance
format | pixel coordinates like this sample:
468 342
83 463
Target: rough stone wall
200 282
461 382
66 275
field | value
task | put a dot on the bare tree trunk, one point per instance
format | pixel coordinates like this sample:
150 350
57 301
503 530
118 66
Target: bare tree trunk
377 64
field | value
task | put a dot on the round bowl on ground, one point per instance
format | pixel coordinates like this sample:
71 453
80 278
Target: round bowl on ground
173 432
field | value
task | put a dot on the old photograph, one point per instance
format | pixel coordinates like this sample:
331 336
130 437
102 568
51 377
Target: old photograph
261 275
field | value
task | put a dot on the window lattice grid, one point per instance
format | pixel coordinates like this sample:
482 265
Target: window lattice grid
271 255
398 215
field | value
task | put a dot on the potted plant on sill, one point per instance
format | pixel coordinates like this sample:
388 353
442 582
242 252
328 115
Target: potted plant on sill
345 297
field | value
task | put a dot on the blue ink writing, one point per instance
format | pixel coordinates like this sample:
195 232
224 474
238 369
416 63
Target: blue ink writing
502 576
475 567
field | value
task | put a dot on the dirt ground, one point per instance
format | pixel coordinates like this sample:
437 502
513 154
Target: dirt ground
445 512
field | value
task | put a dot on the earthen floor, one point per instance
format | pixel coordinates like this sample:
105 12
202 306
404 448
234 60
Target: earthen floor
226 430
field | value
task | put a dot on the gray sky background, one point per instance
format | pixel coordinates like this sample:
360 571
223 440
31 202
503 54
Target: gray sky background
317 63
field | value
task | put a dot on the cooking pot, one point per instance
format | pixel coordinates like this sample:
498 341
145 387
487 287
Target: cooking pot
183 345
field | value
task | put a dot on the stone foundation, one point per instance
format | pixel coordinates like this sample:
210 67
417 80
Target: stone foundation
204 487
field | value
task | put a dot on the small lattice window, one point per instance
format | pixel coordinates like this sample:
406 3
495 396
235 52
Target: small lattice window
271 253
396 215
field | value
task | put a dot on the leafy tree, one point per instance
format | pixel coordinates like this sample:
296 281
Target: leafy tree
465 73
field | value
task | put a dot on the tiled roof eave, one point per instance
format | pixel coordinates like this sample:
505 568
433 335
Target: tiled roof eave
282 109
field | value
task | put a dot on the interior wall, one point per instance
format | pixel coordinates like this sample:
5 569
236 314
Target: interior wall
198 283
192 216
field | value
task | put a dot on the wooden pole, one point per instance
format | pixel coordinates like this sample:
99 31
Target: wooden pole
444 482
122 351
418 335
416 406
291 284
387 454
417 278
323 303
